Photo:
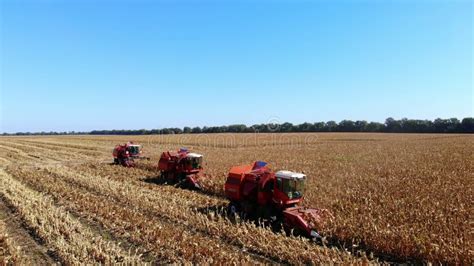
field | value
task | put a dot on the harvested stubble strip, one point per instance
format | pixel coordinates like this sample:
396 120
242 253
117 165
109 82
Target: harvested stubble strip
179 205
64 234
9 252
17 152
62 144
55 148
167 242
47 152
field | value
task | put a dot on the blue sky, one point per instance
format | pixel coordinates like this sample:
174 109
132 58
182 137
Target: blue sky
83 65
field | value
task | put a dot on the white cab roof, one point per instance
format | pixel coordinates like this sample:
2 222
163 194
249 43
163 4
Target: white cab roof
193 155
289 175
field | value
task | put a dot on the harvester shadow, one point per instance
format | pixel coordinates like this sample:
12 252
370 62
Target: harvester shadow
147 167
157 180
154 180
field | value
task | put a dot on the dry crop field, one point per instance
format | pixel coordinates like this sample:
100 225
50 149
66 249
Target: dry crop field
394 197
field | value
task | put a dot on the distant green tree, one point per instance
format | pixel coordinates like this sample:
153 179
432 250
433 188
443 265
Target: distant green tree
346 126
319 127
467 125
392 125
360 125
196 130
331 126
287 127
454 125
305 127
374 127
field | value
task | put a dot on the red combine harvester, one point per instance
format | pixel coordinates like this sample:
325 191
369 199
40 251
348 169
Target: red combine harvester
126 153
181 168
256 192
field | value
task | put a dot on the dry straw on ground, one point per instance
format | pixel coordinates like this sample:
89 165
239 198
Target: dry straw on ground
400 197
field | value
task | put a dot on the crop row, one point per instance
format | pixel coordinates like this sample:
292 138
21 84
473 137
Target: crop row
66 235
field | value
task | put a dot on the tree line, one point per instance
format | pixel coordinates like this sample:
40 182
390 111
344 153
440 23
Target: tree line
391 125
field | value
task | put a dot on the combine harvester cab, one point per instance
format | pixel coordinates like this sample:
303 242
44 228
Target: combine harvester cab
182 168
258 193
135 151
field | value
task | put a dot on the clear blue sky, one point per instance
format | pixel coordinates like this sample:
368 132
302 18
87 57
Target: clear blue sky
79 65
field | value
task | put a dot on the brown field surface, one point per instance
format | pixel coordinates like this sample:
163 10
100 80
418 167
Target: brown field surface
394 197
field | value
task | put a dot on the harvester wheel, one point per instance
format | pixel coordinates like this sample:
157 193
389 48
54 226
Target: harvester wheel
116 161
